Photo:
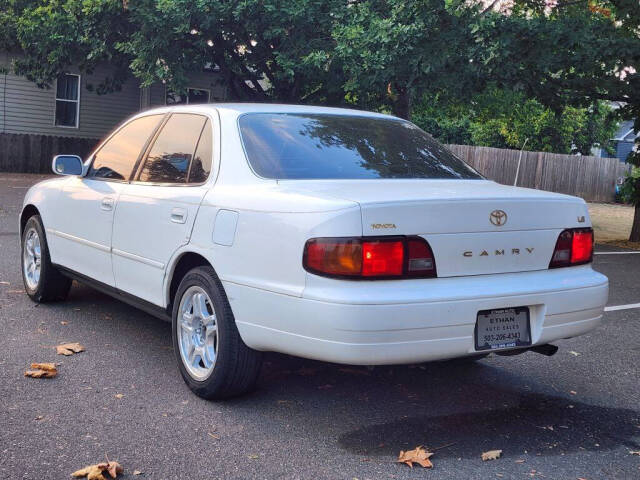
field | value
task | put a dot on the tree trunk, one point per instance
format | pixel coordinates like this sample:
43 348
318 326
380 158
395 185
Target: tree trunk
402 104
635 229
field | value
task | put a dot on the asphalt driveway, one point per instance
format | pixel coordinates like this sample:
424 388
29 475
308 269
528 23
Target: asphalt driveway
573 415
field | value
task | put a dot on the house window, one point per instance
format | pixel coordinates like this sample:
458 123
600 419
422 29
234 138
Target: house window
193 95
67 100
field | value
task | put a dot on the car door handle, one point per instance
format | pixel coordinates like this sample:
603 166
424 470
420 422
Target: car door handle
178 215
107 204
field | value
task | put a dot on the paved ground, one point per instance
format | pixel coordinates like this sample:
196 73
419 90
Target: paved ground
574 415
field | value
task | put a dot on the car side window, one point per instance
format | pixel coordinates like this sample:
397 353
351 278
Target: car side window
170 156
116 158
201 163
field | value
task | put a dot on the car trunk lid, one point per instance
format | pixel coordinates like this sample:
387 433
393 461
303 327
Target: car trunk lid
474 227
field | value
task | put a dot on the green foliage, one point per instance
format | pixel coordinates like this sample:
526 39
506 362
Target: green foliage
392 50
631 187
506 119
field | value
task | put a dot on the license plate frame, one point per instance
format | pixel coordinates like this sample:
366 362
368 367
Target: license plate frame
508 342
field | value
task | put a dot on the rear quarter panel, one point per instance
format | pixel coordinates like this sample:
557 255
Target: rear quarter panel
271 230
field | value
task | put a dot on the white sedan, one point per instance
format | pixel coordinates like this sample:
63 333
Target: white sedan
330 234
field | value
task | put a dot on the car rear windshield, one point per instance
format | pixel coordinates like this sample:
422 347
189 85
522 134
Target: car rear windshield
316 146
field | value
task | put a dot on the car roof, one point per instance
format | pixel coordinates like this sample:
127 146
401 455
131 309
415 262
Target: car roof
242 108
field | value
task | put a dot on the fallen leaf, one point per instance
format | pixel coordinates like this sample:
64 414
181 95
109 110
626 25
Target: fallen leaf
39 417
418 455
64 323
95 472
42 370
253 456
573 392
119 395
137 472
491 455
69 349
213 435
575 354
519 461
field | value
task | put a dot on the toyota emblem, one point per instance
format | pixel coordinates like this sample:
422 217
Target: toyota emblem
498 217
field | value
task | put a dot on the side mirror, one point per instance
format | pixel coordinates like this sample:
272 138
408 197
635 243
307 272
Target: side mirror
67 165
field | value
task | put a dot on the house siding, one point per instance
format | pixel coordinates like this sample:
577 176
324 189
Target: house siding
207 80
29 109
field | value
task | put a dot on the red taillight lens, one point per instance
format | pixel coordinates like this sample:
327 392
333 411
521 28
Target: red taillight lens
574 247
382 258
582 247
369 257
420 261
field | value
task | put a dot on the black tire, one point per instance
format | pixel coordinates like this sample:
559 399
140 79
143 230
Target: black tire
236 366
52 285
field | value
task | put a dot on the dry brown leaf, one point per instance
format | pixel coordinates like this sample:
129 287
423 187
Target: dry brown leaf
491 455
137 472
69 349
418 455
95 472
92 472
42 370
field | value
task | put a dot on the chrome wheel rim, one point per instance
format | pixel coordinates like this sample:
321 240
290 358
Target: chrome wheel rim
32 258
197 333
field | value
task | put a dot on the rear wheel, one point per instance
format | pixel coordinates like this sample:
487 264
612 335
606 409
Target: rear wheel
212 358
42 281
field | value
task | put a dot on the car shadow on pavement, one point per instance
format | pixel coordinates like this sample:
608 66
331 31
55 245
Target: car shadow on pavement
464 408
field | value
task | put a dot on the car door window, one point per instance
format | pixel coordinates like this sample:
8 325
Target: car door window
116 158
201 163
170 156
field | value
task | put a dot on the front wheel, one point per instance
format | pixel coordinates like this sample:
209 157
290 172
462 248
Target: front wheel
42 281
212 358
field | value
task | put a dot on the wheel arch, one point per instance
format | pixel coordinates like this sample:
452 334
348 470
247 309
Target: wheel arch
182 264
28 211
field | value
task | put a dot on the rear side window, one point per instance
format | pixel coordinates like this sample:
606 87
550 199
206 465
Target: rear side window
307 146
201 163
170 157
116 158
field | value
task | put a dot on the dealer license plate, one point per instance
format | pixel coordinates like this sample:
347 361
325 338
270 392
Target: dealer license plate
504 328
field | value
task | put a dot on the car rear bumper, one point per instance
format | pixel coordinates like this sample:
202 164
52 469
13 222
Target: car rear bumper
373 323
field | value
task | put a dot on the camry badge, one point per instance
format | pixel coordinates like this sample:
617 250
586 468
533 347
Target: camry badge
498 218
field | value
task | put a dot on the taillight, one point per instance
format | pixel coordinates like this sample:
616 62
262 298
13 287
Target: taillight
369 257
574 247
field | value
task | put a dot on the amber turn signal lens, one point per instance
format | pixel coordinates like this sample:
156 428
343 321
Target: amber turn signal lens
333 256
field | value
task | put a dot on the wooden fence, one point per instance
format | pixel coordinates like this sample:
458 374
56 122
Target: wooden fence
33 153
592 178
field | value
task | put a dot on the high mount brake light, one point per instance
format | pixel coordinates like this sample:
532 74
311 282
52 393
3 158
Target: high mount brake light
574 247
369 257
